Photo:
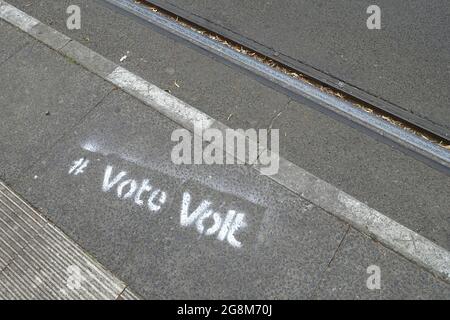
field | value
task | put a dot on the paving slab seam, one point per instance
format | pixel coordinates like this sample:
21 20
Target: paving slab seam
335 253
64 134
299 65
128 294
366 220
14 54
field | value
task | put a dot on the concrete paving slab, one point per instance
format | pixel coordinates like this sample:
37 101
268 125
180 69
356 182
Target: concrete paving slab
11 41
157 253
405 63
403 189
44 93
347 276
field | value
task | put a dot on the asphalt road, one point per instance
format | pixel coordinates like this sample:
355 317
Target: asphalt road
405 66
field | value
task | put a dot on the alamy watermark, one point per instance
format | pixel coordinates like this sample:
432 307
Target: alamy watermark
374 20
374 280
229 146
75 279
74 20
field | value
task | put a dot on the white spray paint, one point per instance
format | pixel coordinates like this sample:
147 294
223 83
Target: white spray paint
204 218
78 166
224 228
187 219
130 188
237 224
107 184
154 197
145 187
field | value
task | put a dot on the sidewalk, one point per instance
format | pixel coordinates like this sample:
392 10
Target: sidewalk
56 112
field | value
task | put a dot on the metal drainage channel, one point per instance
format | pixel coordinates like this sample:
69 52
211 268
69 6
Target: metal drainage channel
427 151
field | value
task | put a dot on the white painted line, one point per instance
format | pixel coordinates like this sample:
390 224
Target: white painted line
160 100
17 18
365 219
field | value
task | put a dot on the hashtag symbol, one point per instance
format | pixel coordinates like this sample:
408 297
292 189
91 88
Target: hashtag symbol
78 166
